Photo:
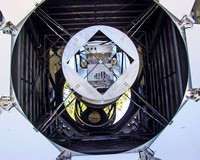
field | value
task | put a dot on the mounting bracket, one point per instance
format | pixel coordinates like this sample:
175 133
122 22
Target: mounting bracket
147 154
6 103
65 155
186 21
194 94
7 27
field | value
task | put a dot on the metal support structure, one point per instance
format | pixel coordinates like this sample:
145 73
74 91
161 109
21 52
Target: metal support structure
86 90
143 22
51 28
54 116
65 155
143 15
53 44
54 113
186 22
134 39
49 77
154 108
8 27
54 21
7 103
194 94
52 81
149 106
126 5
147 154
45 15
145 111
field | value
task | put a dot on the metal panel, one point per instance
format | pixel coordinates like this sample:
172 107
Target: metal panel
22 141
15 11
180 140
193 35
80 85
77 42
122 40
5 45
184 8
123 83
121 156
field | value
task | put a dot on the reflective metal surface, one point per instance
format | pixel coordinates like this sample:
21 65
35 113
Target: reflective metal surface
122 84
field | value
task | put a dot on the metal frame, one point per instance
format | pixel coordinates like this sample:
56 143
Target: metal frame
81 86
160 75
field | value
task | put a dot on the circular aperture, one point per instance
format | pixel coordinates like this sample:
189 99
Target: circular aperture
116 72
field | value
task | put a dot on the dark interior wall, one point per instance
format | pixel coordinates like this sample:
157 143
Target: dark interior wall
29 74
166 67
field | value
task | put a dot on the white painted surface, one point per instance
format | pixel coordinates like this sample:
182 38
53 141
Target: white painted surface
5 47
19 141
193 38
181 141
15 11
179 8
122 156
